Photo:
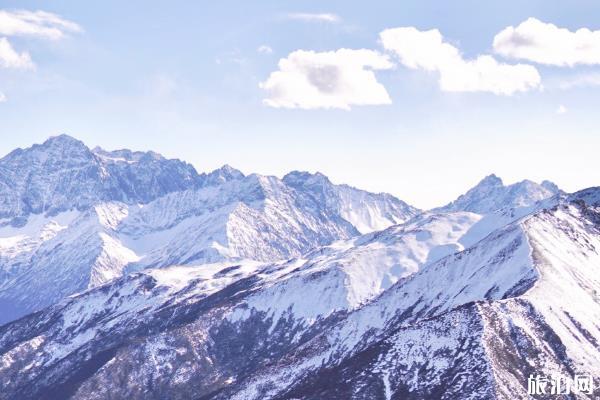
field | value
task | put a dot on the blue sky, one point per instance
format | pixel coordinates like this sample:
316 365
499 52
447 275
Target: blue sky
190 80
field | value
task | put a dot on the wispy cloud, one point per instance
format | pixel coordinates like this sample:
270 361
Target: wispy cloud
40 24
561 109
35 23
578 81
264 49
427 50
315 17
546 43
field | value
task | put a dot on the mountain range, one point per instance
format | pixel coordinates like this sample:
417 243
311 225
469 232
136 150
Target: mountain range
74 218
127 275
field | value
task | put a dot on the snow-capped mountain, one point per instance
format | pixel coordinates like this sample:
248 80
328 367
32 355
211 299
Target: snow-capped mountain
63 174
500 315
491 194
366 211
151 281
75 218
437 307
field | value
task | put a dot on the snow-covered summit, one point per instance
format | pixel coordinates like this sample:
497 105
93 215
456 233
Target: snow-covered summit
491 194
75 218
367 211
221 175
63 174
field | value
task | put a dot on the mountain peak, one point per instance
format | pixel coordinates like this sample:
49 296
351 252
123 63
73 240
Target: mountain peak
221 175
62 173
490 194
229 170
63 140
551 186
303 178
491 180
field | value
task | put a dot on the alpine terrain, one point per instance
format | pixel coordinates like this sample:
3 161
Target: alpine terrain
124 275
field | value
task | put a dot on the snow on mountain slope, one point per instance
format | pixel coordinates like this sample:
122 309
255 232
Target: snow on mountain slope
491 195
82 255
182 302
257 218
470 323
460 302
134 210
500 315
359 268
348 274
496 267
17 243
366 211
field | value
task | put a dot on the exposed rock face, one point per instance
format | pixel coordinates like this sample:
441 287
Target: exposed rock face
63 174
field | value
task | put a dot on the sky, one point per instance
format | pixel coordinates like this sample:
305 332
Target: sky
421 99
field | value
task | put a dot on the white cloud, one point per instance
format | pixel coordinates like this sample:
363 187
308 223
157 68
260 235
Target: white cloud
310 17
35 23
561 109
546 43
29 23
10 58
333 79
581 80
427 50
264 49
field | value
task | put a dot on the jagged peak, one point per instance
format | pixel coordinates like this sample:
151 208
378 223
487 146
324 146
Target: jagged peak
491 194
52 148
63 140
490 180
221 175
551 186
127 155
297 178
228 170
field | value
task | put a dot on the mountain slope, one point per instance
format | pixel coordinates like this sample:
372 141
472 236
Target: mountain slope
499 316
469 323
83 254
75 218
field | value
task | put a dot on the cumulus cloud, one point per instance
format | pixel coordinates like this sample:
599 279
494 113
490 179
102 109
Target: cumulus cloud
310 17
10 58
264 49
546 43
429 51
333 79
35 23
